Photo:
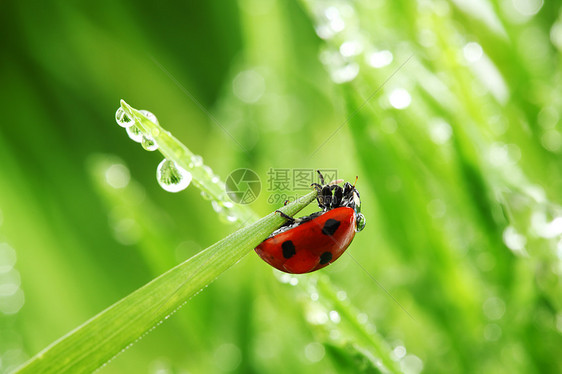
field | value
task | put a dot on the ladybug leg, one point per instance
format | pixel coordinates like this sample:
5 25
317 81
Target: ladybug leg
325 198
317 187
320 197
347 191
338 195
291 219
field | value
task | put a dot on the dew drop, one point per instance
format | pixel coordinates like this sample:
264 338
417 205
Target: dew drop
284 278
227 204
360 222
513 240
494 308
150 116
317 316
399 352
344 73
411 364
227 217
231 218
227 357
492 332
528 7
400 98
197 160
249 86
172 177
380 59
334 316
148 143
134 133
123 118
472 52
208 170
205 195
440 131
351 48
362 318
314 352
117 176
335 334
216 206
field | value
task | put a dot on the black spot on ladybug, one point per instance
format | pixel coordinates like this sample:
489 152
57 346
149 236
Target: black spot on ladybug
325 257
330 226
288 249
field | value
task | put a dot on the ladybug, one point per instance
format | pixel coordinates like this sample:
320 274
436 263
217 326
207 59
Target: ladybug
306 244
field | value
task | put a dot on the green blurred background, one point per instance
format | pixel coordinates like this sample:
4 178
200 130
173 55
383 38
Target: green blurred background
458 157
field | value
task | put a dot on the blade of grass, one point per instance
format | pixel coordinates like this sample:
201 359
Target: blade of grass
97 341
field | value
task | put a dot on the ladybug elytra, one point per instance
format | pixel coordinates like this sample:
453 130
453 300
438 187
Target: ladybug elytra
306 244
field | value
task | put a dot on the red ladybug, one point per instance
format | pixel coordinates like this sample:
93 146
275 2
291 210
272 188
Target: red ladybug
306 244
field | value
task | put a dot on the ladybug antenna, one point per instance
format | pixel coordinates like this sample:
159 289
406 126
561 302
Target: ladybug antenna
321 177
356 177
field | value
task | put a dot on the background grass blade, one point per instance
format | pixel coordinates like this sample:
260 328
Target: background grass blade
98 340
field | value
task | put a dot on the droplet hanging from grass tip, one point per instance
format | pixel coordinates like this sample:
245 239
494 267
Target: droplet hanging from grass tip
123 118
172 177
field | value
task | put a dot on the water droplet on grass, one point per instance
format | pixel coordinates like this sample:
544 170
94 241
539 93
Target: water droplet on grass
150 116
216 206
314 352
227 204
117 176
472 52
148 143
345 73
172 177
123 118
205 195
400 98
360 222
134 133
334 316
513 240
380 59
228 357
494 308
399 352
197 160
230 218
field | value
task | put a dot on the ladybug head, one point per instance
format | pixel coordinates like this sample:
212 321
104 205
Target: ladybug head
331 196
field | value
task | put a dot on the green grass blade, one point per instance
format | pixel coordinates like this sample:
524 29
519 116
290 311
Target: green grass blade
101 338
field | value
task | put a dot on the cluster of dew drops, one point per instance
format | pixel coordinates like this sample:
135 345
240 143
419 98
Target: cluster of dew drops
170 176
